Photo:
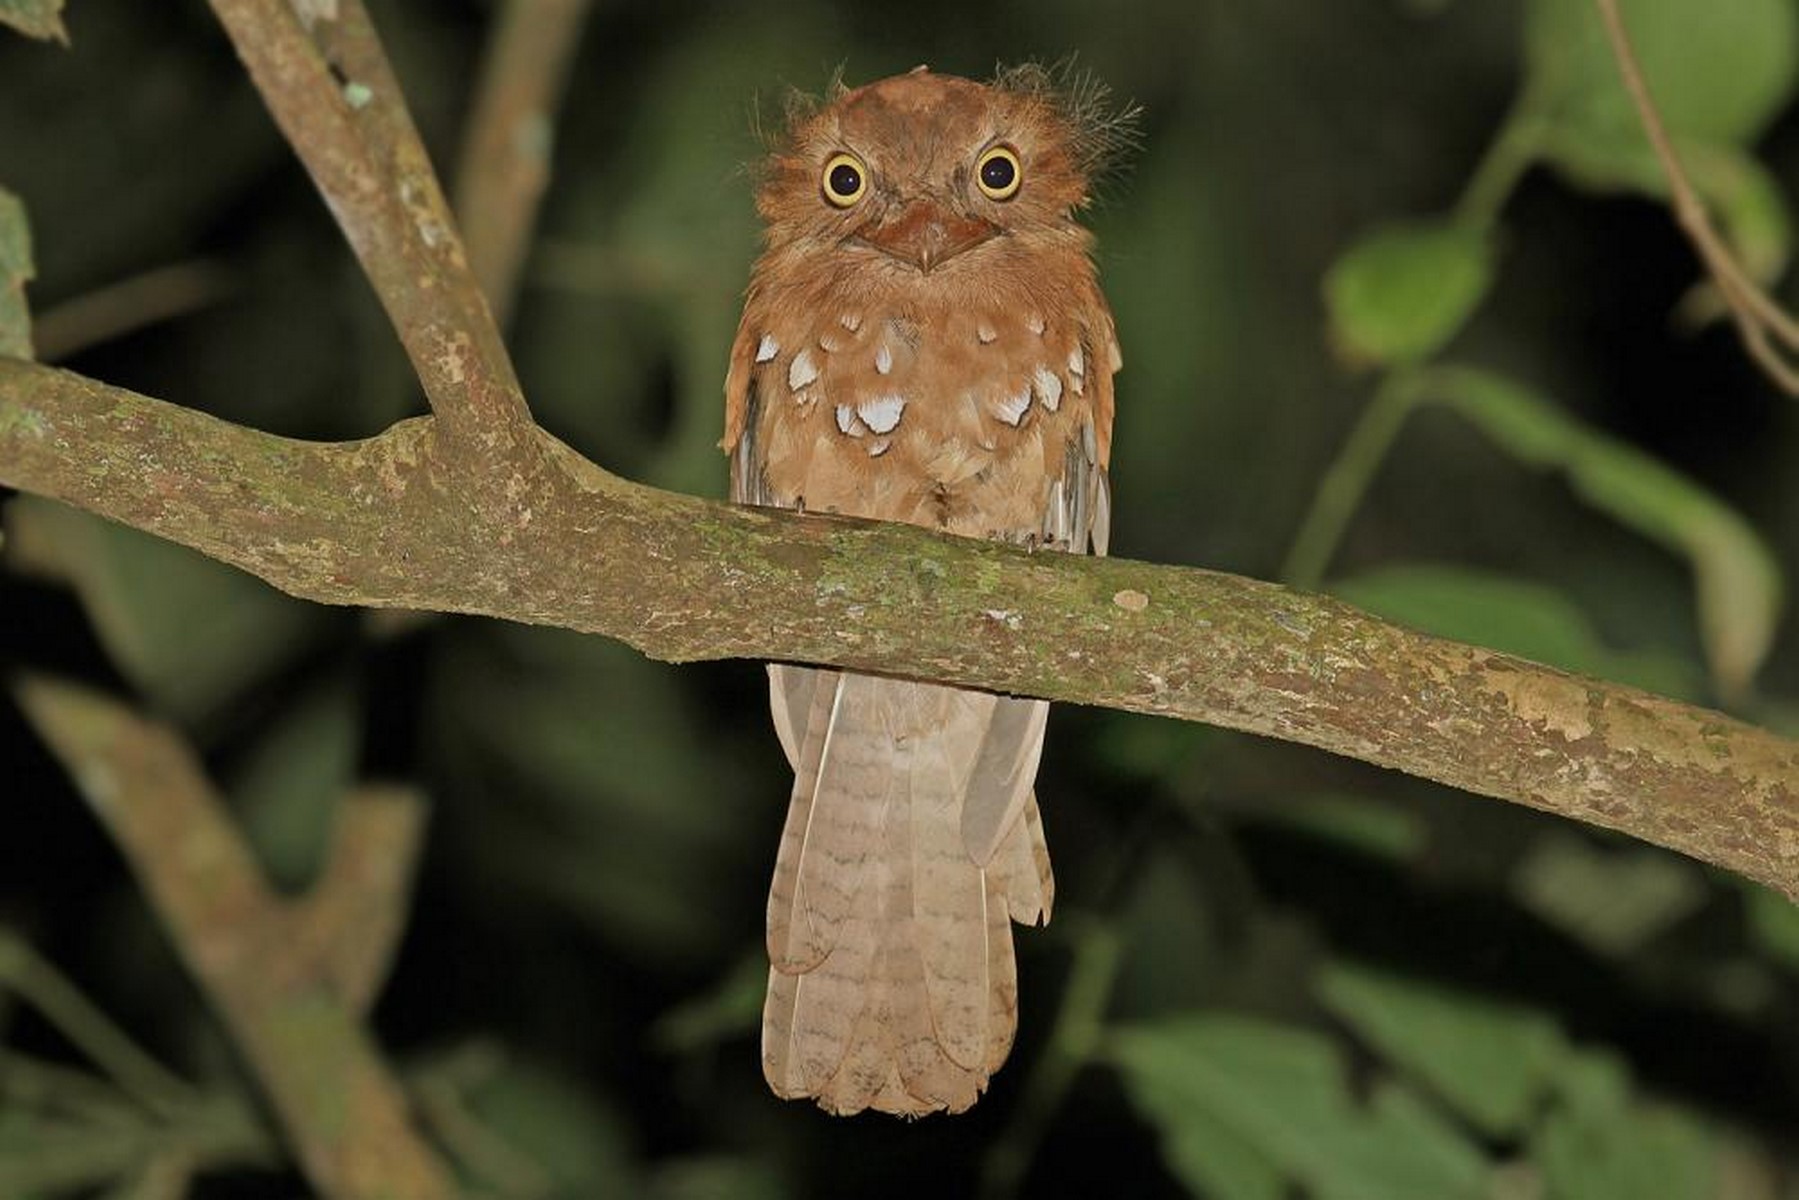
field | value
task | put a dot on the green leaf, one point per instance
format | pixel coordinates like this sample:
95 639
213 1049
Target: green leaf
1745 196
1599 1143
1492 1062
1718 72
1204 1152
716 1177
35 18
541 1129
1614 900
188 631
1736 577
287 788
1530 620
16 271
1283 1094
1403 291
587 777
1773 922
732 1008
1365 824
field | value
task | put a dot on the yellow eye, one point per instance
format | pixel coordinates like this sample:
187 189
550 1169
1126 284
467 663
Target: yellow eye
998 173
845 179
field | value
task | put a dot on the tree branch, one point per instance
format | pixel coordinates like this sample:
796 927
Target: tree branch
384 522
506 151
347 1115
335 98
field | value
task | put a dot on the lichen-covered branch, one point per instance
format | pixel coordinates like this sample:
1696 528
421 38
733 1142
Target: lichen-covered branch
346 1113
384 522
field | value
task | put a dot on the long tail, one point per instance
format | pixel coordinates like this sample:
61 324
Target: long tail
912 841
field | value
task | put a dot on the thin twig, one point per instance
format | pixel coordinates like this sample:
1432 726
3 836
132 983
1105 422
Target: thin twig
385 522
327 1084
57 1000
129 305
1759 320
506 151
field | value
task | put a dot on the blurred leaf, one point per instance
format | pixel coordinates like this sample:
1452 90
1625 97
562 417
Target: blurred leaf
1403 291
190 632
1718 72
1530 620
1737 578
1600 1144
1204 1152
15 271
1614 900
1169 959
287 788
1284 1094
1773 922
1745 196
1151 749
560 1130
35 18
733 1008
1492 1062
1718 75
718 1177
1750 204
586 774
1363 823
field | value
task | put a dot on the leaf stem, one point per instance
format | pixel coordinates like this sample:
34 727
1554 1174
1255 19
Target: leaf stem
1345 483
37 981
1508 156
1072 1043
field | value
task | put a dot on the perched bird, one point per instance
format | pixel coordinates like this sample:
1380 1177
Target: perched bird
923 340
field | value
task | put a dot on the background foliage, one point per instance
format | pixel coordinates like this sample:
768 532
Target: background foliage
1403 317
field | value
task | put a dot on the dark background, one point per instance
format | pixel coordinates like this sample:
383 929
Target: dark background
588 916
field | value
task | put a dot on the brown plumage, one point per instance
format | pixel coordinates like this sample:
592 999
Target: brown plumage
923 340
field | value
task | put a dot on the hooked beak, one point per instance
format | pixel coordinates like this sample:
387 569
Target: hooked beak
926 235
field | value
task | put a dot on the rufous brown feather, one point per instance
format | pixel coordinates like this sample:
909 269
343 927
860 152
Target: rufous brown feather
923 340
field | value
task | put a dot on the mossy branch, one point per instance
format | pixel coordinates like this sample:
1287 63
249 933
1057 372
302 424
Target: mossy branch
287 975
390 522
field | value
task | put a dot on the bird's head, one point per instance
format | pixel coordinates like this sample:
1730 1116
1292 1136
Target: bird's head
936 175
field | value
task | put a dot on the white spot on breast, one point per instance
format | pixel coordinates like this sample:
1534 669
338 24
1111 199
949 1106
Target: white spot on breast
767 348
846 421
830 342
883 358
882 413
879 447
802 371
1077 362
1049 387
1011 409
1035 323
850 321
986 333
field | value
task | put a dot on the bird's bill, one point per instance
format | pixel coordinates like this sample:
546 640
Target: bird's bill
926 235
